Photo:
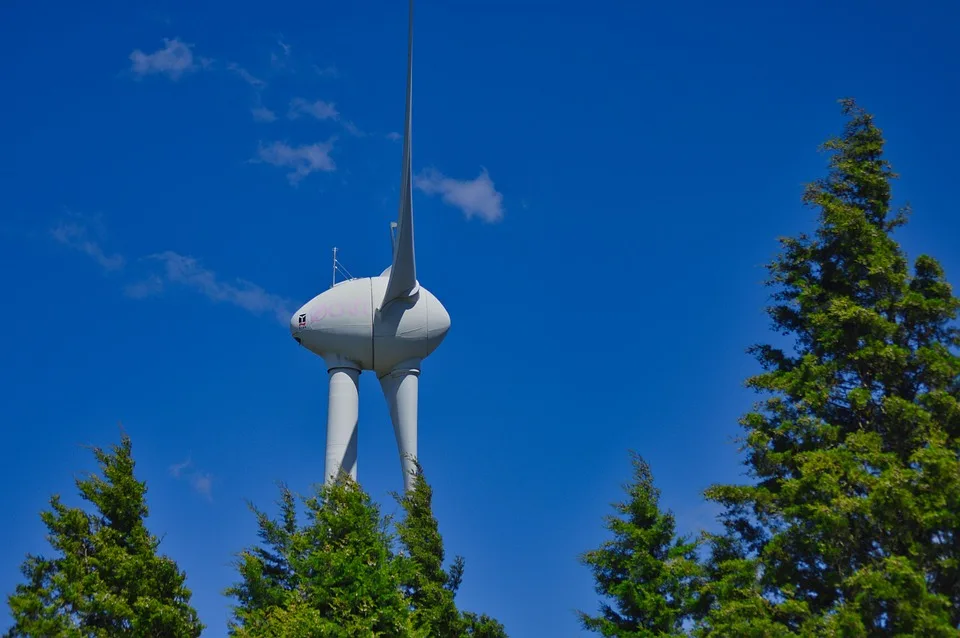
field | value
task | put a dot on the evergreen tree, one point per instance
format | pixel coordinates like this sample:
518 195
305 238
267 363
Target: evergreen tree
429 588
852 524
107 579
646 574
482 626
334 576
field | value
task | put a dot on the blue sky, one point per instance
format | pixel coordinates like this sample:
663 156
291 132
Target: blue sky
600 185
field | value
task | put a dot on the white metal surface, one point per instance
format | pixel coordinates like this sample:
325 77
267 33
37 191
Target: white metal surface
403 273
387 324
343 321
401 389
342 414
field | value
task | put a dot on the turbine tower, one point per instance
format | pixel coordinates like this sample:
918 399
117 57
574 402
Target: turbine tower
387 324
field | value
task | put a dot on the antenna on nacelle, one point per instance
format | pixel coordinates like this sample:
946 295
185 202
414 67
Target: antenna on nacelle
338 267
334 282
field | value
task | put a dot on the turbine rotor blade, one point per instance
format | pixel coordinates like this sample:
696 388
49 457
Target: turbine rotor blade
343 410
401 389
403 272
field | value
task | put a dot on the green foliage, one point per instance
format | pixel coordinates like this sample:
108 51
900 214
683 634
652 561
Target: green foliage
337 575
647 576
851 525
334 576
429 587
107 579
482 626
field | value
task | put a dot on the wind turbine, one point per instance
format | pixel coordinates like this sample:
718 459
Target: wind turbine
387 324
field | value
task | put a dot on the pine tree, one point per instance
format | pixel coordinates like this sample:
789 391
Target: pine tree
852 524
107 579
334 576
646 574
428 586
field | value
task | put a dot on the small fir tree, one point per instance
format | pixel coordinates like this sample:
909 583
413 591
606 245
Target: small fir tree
648 577
428 586
333 576
106 578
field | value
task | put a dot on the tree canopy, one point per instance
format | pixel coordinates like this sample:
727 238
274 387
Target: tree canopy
334 575
646 574
345 572
105 578
852 521
429 587
850 524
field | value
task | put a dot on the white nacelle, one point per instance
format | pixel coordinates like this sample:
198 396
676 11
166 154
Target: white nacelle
344 321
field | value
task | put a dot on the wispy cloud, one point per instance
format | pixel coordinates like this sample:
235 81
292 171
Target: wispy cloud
152 285
322 110
280 59
318 109
246 76
201 482
353 129
173 60
177 468
188 272
263 114
327 71
303 160
76 232
393 136
475 197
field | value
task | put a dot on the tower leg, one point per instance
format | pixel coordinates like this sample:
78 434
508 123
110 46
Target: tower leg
401 388
342 414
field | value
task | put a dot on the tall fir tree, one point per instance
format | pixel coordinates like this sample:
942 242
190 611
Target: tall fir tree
333 576
428 586
107 579
852 524
647 575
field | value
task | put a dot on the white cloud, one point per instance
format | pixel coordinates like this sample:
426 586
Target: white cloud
263 114
353 129
76 235
177 269
302 159
319 109
177 468
475 197
327 71
173 60
322 110
201 482
187 271
279 60
393 136
148 287
246 76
